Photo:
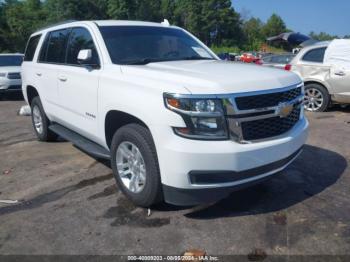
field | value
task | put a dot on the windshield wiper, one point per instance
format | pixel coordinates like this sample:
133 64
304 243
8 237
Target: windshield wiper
146 61
197 58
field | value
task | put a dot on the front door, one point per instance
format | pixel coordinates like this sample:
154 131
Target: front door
339 80
78 85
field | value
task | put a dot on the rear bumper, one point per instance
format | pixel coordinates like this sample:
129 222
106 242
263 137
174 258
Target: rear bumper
234 180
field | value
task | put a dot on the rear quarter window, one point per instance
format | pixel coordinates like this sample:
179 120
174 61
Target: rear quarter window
31 47
315 55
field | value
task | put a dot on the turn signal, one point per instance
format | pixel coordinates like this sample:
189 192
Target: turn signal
173 102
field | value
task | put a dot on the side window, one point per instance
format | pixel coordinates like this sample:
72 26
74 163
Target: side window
43 50
80 39
315 55
31 47
57 45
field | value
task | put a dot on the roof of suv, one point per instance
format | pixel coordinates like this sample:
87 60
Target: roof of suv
100 23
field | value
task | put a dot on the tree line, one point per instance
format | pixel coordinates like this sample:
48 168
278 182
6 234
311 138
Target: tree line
215 22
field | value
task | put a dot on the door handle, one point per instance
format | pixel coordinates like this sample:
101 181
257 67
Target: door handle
62 78
340 73
39 74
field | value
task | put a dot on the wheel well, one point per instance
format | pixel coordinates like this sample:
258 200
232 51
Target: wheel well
315 82
115 120
31 93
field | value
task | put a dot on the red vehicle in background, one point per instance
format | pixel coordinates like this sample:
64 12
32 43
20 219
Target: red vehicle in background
249 57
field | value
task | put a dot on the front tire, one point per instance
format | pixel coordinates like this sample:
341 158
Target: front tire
41 122
135 165
317 98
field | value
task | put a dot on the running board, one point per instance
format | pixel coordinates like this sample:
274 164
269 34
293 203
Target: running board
80 142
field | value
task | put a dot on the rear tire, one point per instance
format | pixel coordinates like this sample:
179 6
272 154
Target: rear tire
40 122
134 158
317 98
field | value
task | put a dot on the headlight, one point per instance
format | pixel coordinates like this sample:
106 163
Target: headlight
204 118
2 74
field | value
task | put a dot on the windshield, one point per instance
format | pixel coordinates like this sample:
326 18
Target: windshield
11 60
146 44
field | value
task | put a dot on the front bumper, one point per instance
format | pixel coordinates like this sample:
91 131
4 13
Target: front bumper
204 171
10 85
238 181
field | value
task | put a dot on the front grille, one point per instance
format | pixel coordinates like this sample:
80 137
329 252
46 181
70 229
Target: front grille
266 100
14 75
270 127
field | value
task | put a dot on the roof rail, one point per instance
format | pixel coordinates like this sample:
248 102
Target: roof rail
56 24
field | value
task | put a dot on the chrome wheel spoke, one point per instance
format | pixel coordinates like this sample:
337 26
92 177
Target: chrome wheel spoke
37 119
313 99
131 167
133 183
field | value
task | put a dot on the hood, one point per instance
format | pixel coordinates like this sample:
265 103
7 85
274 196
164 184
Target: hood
10 69
214 76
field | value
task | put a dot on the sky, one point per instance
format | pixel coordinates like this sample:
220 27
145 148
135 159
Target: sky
304 16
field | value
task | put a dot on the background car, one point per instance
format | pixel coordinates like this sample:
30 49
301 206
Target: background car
10 73
249 57
277 61
325 82
227 56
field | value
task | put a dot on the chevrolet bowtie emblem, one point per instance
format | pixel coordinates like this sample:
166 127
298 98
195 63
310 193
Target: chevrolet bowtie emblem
285 109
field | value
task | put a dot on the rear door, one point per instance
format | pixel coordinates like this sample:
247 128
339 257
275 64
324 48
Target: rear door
78 84
50 60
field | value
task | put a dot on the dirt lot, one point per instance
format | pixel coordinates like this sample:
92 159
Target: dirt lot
69 203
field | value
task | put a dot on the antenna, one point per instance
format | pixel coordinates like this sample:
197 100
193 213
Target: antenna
165 22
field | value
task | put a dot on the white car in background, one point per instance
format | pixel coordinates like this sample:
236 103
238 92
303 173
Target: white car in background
10 73
325 69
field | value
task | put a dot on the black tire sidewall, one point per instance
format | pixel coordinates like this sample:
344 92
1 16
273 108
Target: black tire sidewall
46 135
325 94
141 137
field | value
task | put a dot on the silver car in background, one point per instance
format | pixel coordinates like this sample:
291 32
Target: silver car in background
276 61
324 83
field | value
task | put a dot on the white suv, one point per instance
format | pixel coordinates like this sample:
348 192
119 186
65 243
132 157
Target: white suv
177 123
10 72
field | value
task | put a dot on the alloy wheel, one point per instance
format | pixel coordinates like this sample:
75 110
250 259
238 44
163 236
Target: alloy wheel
131 167
313 99
38 120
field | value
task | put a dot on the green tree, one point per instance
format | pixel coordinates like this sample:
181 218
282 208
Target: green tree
62 10
122 9
143 10
253 33
215 22
22 19
274 26
167 9
3 31
322 36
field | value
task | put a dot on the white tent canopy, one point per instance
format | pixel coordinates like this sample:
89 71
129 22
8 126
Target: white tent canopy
338 53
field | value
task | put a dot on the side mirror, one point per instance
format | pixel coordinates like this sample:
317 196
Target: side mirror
85 56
